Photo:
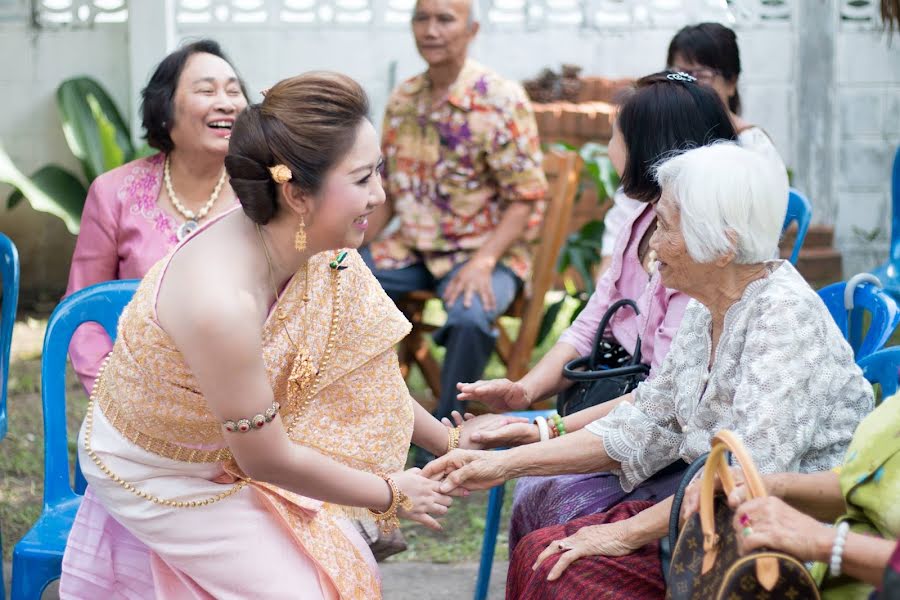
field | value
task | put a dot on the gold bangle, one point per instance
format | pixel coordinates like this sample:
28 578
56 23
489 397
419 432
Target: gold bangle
453 435
387 520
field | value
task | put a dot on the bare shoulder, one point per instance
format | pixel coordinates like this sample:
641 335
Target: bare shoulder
211 291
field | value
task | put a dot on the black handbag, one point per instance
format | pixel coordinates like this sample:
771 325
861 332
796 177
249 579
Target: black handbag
607 373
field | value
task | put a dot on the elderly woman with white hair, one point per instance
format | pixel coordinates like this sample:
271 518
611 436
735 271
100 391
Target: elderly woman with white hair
756 352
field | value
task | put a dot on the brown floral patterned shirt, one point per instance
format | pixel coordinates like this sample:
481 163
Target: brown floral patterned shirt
451 170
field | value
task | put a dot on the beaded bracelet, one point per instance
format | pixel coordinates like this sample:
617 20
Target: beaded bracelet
254 422
387 520
557 425
837 550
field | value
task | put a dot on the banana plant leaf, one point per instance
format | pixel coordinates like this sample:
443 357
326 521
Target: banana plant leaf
51 189
581 251
95 130
600 169
550 316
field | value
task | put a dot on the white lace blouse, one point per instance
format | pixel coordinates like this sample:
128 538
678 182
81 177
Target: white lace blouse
784 380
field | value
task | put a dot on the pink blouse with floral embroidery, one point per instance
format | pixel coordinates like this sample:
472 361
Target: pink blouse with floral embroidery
124 232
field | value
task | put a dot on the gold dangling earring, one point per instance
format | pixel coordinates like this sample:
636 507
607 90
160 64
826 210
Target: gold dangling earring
300 237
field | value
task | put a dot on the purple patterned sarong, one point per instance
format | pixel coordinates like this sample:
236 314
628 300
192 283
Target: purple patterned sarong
540 502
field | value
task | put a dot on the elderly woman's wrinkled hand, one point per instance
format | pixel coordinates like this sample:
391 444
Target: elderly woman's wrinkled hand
770 523
609 539
691 502
498 394
468 469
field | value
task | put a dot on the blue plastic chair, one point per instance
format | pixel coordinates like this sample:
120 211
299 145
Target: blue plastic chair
848 301
492 520
889 272
883 368
9 275
799 209
37 558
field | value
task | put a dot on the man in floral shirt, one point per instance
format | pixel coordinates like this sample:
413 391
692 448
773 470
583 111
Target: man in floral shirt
462 171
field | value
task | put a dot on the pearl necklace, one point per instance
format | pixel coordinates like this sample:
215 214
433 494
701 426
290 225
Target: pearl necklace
191 222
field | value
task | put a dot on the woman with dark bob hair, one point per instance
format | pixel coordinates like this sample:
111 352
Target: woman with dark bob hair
664 113
708 52
253 403
135 214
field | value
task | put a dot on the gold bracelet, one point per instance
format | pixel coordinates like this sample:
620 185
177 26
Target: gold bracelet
453 435
387 520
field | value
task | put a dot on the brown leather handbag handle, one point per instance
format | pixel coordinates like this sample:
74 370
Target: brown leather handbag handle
766 568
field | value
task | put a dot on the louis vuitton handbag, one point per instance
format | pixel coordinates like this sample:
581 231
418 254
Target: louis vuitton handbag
705 563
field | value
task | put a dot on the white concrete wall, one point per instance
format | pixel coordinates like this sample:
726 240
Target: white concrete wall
264 56
35 63
868 126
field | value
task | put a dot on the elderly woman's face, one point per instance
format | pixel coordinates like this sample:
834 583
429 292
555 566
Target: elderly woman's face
676 267
207 100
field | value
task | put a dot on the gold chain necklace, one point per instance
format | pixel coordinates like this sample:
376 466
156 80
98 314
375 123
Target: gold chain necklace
307 383
303 373
192 220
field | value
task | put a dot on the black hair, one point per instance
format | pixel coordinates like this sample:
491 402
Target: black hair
662 115
157 99
714 46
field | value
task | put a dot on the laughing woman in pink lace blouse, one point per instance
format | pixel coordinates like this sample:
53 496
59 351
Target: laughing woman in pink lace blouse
134 215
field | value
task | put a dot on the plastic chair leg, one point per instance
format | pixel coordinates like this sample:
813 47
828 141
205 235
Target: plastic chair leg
489 544
80 481
2 582
31 575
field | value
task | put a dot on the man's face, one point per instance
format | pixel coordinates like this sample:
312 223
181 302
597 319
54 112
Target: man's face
442 30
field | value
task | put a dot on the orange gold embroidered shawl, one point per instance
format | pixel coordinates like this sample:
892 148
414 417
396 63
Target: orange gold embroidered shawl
360 413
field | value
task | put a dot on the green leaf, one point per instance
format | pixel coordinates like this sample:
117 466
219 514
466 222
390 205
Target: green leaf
592 170
144 151
93 124
562 146
590 151
581 304
582 265
549 320
592 232
51 189
608 177
110 150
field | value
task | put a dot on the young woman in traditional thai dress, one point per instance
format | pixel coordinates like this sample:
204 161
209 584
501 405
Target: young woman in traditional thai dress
253 402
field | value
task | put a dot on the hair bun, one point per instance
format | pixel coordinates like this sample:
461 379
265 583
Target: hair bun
253 186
